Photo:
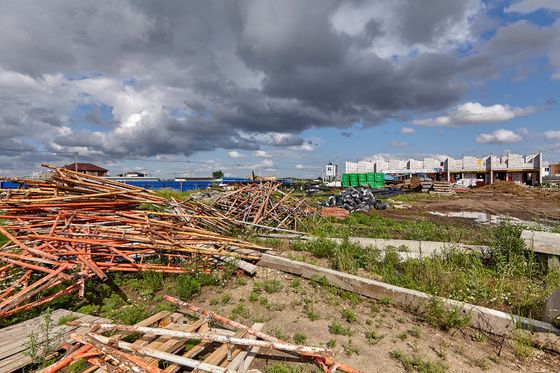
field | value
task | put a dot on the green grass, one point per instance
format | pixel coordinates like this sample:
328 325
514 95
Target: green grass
172 193
421 228
416 363
509 278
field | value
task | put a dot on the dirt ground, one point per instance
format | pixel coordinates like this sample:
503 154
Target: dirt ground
530 206
304 307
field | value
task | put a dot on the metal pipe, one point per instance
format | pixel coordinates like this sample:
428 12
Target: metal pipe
195 364
205 336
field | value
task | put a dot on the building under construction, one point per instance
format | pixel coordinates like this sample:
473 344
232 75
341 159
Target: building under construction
520 169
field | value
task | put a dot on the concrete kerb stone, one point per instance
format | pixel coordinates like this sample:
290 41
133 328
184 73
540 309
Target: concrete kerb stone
486 319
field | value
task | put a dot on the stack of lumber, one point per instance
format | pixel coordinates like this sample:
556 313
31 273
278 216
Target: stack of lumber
74 227
426 185
442 188
166 340
264 205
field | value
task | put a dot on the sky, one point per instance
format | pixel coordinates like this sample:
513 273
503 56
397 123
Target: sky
182 87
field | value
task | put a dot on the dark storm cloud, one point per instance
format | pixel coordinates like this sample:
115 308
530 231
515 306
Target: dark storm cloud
189 76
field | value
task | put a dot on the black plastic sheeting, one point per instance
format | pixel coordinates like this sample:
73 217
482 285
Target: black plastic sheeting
355 199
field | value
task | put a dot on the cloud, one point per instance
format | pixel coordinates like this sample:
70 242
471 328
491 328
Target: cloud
407 130
300 167
475 113
500 136
530 6
183 77
346 134
234 154
552 135
261 154
398 144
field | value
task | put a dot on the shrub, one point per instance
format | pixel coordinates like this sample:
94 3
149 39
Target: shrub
186 286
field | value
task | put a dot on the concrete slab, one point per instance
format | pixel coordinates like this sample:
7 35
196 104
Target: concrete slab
551 307
542 242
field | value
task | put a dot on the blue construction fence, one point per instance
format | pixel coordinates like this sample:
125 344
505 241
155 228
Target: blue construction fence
177 185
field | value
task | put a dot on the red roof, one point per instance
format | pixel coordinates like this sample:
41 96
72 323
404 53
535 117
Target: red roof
84 167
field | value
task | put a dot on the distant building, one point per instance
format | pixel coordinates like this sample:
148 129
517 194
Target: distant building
331 171
87 168
520 169
554 169
132 174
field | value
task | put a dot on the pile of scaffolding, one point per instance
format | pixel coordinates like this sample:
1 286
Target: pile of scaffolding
164 343
263 206
74 227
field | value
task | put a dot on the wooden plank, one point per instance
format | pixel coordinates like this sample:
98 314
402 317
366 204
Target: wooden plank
193 351
221 353
240 359
542 242
15 337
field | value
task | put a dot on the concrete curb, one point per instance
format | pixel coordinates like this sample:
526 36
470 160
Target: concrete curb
486 319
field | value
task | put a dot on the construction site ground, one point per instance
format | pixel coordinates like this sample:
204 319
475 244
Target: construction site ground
297 309
531 205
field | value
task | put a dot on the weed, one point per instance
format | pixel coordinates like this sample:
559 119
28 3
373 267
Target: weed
336 328
295 283
445 318
522 344
226 298
481 363
479 336
214 301
186 286
241 281
331 343
402 336
270 286
300 338
66 319
129 315
253 297
278 333
415 332
78 366
349 315
239 311
283 368
386 301
41 345
417 363
374 337
350 349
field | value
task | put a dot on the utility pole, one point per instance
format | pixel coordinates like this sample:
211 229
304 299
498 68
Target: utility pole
76 161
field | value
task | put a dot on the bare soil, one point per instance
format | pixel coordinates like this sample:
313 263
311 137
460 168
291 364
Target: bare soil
530 205
285 313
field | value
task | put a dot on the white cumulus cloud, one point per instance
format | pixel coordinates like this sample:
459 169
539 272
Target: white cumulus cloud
501 136
300 167
476 113
261 154
234 154
552 135
407 131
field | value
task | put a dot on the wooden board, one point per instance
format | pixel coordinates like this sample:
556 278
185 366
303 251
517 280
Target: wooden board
542 242
14 339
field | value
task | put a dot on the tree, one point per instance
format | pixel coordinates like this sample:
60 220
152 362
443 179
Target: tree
217 174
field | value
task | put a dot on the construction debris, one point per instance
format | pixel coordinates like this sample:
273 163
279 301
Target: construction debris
164 338
73 227
337 212
355 199
442 188
264 205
